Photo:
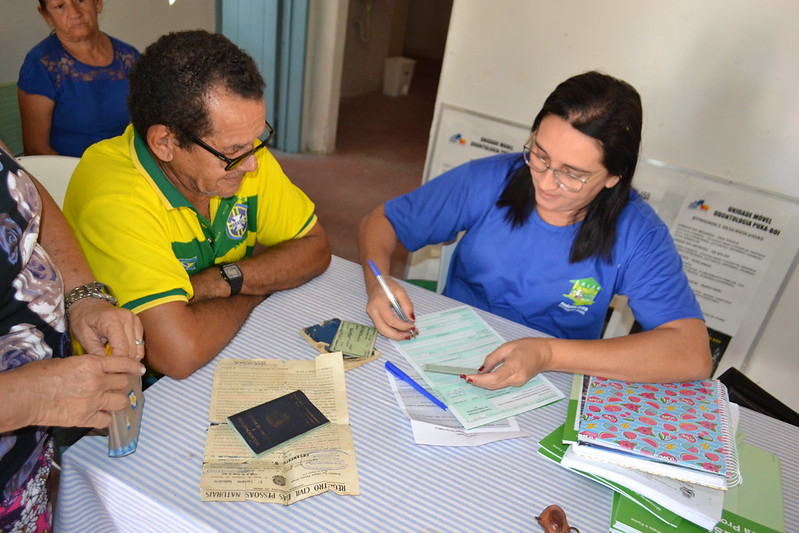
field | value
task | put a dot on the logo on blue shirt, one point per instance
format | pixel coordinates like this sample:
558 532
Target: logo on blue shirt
583 291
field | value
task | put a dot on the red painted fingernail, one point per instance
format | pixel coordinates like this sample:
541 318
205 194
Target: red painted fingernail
463 376
413 317
408 337
468 380
481 368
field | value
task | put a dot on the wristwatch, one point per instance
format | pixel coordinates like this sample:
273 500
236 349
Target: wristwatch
232 274
94 289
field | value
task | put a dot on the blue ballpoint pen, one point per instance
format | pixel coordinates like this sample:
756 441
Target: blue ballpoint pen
391 367
391 298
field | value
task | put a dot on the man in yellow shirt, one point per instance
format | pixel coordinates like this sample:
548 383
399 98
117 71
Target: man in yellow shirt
187 216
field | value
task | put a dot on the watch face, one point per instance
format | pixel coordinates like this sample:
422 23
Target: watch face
231 270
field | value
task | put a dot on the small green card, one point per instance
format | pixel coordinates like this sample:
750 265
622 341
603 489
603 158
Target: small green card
354 340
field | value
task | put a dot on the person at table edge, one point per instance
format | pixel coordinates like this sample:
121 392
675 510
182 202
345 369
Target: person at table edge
550 236
48 293
187 216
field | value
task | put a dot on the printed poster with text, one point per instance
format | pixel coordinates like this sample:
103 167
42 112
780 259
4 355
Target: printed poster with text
726 240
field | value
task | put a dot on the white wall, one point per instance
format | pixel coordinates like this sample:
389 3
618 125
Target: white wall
368 37
138 23
718 79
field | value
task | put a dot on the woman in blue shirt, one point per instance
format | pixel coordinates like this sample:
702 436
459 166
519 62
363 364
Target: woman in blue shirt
551 235
73 86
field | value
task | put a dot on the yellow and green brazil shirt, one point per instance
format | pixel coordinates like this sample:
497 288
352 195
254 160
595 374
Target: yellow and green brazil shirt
144 239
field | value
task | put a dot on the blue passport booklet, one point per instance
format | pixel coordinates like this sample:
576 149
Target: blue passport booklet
270 425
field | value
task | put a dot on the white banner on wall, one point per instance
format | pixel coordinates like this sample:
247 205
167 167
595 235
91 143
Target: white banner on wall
460 136
738 245
727 242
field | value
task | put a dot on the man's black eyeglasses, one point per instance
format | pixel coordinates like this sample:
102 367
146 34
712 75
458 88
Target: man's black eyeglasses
236 161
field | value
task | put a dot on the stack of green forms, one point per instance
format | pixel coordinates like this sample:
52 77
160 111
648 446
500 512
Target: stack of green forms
644 502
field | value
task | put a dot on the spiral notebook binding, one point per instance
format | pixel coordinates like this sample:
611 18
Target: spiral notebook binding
728 432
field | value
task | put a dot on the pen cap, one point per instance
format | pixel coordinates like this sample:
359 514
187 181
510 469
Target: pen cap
375 271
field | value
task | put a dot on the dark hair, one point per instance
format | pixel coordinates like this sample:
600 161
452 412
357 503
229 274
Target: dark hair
171 81
609 110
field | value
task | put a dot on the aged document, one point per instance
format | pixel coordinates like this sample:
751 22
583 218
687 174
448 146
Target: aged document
321 461
325 338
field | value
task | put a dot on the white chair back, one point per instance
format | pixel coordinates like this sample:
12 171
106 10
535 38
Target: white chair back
443 264
53 171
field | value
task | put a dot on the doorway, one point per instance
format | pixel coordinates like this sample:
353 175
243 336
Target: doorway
381 141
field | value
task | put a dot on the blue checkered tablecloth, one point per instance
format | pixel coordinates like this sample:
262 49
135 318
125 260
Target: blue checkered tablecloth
404 487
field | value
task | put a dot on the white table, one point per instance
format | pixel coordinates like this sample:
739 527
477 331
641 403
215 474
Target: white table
404 487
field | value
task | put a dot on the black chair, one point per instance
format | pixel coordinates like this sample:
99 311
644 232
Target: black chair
747 393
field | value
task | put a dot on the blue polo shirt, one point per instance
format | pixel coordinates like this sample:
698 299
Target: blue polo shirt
524 273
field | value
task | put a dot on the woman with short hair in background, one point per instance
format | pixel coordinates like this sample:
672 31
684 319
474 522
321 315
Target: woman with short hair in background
73 86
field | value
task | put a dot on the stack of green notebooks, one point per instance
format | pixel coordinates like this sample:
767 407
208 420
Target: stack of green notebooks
648 503
754 506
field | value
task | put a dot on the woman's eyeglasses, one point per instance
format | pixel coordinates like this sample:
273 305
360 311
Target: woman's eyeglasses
563 177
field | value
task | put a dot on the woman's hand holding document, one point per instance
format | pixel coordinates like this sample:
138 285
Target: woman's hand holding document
459 337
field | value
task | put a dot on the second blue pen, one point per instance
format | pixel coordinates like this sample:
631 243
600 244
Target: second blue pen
391 367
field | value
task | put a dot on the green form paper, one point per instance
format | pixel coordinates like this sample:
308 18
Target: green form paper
355 340
459 337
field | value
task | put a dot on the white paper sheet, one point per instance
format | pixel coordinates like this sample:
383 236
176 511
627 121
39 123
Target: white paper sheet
435 427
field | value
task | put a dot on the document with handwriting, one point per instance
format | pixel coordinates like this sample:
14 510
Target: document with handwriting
459 337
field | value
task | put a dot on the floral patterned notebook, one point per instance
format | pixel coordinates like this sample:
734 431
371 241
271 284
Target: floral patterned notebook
680 423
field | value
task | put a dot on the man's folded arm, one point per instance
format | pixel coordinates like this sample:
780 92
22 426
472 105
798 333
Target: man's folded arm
184 336
282 266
